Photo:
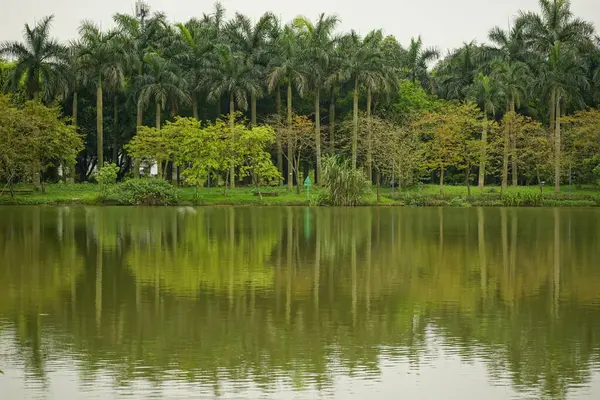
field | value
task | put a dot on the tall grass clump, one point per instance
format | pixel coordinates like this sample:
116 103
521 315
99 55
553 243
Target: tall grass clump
342 185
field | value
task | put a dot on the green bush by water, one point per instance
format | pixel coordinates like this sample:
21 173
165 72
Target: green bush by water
148 192
342 185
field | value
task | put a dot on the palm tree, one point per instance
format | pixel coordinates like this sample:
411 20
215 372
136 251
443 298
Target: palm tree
457 72
561 77
290 67
319 42
161 82
363 65
513 78
251 41
40 60
197 47
232 75
509 68
417 58
555 24
98 54
488 94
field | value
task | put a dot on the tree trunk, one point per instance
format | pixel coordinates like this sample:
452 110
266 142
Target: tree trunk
557 148
482 155
75 109
195 106
157 116
99 124
252 109
278 138
369 137
506 140
290 153
115 152
441 179
232 128
514 158
378 186
318 136
355 125
552 111
332 123
139 122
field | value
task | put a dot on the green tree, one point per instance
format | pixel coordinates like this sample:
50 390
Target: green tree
98 54
417 59
40 61
318 41
232 75
489 95
289 66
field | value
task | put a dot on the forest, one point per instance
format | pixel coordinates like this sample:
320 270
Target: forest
238 101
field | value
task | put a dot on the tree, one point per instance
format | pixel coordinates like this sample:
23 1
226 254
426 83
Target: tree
162 81
289 67
98 54
509 67
299 140
252 42
319 42
232 75
447 132
32 138
582 142
561 76
488 94
40 60
363 66
416 60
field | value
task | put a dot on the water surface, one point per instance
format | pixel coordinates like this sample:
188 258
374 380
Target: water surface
299 303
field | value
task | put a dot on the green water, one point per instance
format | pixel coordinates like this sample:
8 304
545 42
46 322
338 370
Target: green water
299 303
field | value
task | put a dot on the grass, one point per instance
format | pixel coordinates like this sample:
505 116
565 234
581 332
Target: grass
424 195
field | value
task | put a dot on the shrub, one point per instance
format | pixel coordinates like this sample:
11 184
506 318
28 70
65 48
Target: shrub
596 172
106 175
459 202
343 185
145 191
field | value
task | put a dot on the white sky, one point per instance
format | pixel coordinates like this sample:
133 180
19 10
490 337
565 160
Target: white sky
443 23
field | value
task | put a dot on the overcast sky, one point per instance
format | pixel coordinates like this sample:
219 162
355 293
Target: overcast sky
443 23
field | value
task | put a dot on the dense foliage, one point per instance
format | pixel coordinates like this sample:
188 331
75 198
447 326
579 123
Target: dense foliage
403 119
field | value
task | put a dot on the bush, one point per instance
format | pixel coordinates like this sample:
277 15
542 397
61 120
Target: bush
522 199
596 172
343 186
107 175
145 191
459 202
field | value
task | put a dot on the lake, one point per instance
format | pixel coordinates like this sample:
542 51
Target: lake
299 303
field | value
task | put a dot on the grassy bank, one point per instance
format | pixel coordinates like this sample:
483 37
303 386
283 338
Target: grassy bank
425 195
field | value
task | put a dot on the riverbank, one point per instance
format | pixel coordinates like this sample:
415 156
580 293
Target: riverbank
422 196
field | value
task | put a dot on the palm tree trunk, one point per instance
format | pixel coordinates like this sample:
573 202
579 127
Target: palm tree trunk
332 123
552 111
75 109
355 125
115 149
514 158
290 153
252 109
99 124
157 115
441 179
506 139
482 155
278 138
195 106
557 148
139 122
369 137
318 136
232 128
